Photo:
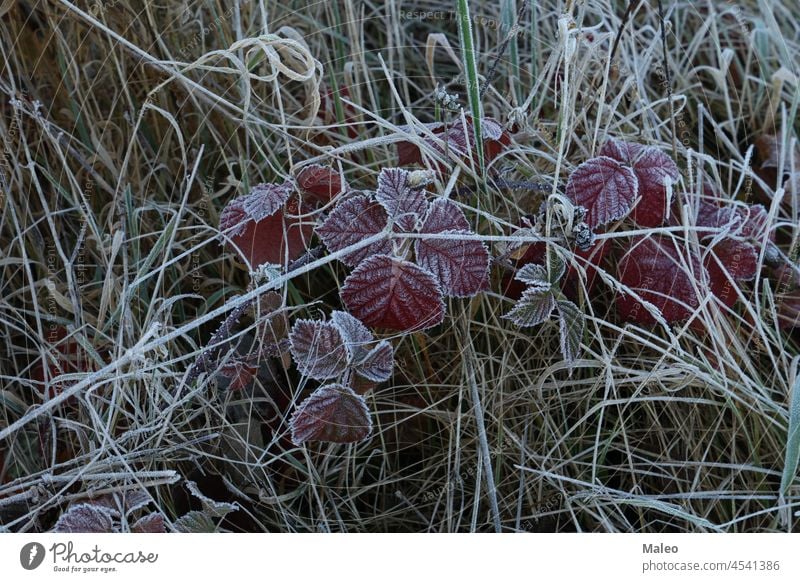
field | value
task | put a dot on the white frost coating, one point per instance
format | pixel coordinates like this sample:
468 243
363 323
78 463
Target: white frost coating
404 203
85 518
317 349
150 523
571 326
533 308
534 275
211 507
460 266
605 187
352 221
333 413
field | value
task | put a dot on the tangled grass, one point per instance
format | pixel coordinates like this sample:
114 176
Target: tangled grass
127 126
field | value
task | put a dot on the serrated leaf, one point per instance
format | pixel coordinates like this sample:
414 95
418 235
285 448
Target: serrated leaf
320 182
404 204
352 221
377 365
533 308
444 214
734 258
195 522
654 268
388 292
211 507
556 267
605 187
85 518
150 523
263 201
460 266
625 152
333 413
318 349
571 327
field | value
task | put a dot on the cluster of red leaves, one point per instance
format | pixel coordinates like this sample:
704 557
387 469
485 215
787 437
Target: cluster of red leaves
386 288
342 349
629 181
267 226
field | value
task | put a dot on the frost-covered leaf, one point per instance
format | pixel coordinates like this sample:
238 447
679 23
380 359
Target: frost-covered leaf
318 349
663 275
355 334
460 266
263 200
444 214
333 413
85 518
535 276
652 168
320 182
195 522
150 523
533 308
377 365
556 267
769 148
571 326
388 292
404 204
352 221
606 188
211 507
274 238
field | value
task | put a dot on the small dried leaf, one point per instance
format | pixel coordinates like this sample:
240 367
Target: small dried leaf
150 523
571 327
263 200
352 221
85 518
387 292
606 188
211 507
238 372
333 413
533 308
404 204
318 349
460 266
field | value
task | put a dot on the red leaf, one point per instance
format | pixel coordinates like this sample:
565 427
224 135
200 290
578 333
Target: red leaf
258 228
320 182
318 349
460 266
355 334
444 214
333 413
85 518
652 168
352 221
150 523
603 186
739 259
238 372
404 204
653 267
392 293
